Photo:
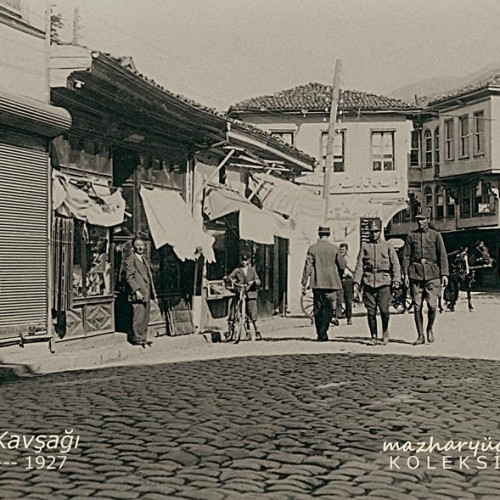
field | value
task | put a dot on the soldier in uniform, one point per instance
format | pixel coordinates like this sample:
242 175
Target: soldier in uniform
377 267
324 267
426 270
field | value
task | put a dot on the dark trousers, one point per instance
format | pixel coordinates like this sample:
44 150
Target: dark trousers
377 298
346 294
140 320
324 302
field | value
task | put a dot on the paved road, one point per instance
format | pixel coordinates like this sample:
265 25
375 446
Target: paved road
260 427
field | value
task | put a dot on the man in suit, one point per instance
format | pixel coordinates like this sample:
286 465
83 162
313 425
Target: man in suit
347 294
426 270
245 274
323 269
139 279
377 268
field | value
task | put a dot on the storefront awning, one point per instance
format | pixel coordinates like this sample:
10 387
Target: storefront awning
87 200
254 224
171 223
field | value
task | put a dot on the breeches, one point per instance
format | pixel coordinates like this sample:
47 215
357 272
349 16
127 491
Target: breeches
374 298
428 291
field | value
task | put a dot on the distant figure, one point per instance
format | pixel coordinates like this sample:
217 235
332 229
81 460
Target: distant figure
139 279
426 271
377 267
323 269
346 295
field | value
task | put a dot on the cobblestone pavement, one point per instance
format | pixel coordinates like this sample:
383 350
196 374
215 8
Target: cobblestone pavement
259 427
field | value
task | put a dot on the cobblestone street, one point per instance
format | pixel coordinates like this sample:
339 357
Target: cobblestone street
260 427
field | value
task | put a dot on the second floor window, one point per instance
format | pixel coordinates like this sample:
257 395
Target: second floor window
436 150
449 142
338 151
464 136
440 202
284 136
479 133
382 150
415 149
428 149
428 197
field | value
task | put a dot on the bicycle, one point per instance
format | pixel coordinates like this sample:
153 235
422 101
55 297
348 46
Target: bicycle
238 320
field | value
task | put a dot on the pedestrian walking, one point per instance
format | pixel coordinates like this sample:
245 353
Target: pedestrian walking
425 264
346 295
323 269
138 277
377 268
245 274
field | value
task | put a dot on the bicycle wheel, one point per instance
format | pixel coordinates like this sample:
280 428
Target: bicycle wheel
307 304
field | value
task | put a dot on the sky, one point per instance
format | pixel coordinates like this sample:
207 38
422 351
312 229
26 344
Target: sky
219 52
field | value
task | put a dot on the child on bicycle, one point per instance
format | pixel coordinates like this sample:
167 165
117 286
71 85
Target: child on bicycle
245 274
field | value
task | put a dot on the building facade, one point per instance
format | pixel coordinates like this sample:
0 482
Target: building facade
27 123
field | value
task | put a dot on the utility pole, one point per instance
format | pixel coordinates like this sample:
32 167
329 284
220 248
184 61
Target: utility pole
331 136
76 25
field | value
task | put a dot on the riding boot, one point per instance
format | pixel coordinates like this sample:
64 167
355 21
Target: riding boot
419 323
431 317
372 325
385 328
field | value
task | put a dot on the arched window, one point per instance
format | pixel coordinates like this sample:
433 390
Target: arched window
428 149
439 202
436 151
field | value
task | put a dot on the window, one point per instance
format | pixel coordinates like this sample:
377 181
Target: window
91 261
465 202
428 149
484 199
428 197
382 151
450 205
449 140
479 133
436 151
415 149
338 151
439 202
287 137
464 136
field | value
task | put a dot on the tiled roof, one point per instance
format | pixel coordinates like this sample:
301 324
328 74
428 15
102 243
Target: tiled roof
317 97
492 81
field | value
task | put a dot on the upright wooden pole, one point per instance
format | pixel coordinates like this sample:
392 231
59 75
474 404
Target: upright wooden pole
331 136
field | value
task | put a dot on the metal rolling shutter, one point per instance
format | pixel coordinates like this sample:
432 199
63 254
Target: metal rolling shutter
23 239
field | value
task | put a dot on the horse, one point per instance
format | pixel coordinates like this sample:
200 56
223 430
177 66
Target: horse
463 267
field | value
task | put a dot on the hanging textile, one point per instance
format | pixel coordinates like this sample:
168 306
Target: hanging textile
62 264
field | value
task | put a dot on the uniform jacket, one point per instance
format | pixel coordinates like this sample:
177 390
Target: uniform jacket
239 276
377 264
424 255
138 276
325 265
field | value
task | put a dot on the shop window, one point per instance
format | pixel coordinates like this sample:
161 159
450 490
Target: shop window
382 148
440 197
428 197
449 140
428 149
465 202
464 136
91 261
479 133
450 205
338 150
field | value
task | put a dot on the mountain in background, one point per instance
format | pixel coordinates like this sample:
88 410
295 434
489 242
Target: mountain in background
435 86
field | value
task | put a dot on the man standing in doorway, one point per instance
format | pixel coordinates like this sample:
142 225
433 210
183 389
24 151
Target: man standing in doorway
139 279
426 271
323 269
377 268
347 293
